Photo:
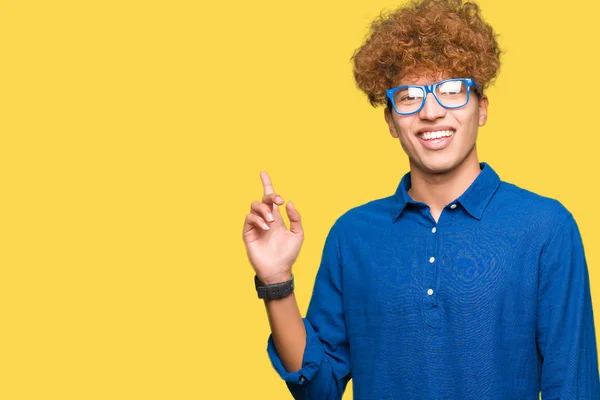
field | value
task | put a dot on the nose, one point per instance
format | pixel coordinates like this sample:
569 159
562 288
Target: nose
432 109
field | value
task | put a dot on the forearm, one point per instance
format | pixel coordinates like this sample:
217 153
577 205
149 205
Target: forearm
311 354
288 332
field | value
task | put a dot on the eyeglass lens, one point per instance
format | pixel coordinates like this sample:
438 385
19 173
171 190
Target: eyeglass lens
450 94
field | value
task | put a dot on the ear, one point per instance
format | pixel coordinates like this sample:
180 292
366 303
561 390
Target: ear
483 109
390 121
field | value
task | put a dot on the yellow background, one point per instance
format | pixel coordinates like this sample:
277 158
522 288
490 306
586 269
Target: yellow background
132 137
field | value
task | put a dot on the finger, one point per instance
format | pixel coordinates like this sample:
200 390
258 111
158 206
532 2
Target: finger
252 221
295 220
263 210
266 181
272 200
267 186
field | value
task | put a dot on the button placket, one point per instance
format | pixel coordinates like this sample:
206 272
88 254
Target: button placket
430 310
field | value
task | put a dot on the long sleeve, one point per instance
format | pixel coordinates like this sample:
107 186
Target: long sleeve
565 329
325 368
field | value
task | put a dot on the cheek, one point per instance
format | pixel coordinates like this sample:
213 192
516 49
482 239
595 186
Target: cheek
407 140
475 121
469 119
404 128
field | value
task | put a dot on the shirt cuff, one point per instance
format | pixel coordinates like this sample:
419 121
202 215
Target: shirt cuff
311 359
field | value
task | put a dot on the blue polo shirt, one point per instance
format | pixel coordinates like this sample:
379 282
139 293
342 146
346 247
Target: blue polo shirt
491 302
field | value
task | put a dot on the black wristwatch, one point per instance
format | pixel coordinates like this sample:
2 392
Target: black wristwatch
275 290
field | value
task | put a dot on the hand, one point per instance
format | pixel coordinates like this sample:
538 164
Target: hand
272 248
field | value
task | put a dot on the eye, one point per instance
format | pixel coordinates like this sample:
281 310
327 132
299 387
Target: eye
407 98
410 94
451 88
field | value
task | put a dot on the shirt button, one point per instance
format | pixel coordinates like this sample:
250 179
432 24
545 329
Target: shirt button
433 229
431 259
430 292
453 206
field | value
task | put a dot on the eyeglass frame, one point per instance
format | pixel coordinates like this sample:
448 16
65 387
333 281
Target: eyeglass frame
431 89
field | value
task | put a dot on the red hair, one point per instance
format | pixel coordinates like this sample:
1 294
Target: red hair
426 38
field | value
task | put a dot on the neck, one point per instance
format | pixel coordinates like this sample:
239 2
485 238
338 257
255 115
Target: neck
438 189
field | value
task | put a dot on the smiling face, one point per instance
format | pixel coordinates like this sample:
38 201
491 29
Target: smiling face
438 140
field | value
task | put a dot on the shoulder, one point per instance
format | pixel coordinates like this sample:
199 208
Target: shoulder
360 218
522 199
529 209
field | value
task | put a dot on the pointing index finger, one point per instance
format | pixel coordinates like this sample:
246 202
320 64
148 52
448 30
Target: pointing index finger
267 185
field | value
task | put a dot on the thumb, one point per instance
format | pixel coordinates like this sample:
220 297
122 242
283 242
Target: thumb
295 221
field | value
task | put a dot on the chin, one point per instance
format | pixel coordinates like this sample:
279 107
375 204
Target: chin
438 167
440 163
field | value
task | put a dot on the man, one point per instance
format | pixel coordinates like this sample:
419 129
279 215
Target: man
459 285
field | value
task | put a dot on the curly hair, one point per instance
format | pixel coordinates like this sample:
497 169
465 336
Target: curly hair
426 38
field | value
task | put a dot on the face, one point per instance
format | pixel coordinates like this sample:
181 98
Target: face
417 132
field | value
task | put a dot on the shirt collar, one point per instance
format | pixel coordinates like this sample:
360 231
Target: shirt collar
474 199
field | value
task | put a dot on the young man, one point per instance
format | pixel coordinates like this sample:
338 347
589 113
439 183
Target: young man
459 285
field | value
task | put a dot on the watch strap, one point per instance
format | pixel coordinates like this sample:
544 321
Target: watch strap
275 290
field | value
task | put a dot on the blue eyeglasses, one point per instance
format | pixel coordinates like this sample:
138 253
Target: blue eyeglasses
449 93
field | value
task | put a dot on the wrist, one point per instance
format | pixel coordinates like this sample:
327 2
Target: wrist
273 291
277 278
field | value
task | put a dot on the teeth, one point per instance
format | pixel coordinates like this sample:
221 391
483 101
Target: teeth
436 135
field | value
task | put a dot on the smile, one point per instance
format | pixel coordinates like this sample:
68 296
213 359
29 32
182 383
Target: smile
436 140
436 134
